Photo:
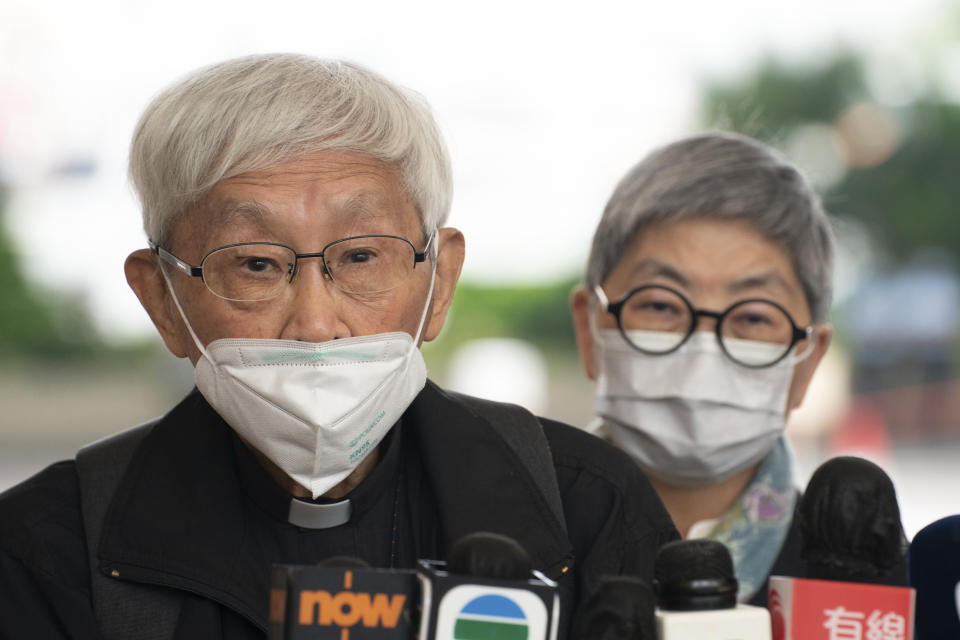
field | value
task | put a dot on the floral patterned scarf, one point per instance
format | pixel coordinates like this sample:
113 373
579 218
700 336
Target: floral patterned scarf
755 527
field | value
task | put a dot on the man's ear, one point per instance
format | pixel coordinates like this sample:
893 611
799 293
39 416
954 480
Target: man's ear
580 307
143 275
803 373
450 255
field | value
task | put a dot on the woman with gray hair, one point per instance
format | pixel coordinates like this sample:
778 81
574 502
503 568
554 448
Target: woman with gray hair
702 320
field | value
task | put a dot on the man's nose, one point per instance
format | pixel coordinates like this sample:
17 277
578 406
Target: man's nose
314 313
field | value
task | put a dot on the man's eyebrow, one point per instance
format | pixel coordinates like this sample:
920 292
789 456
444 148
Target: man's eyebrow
237 210
761 280
368 202
650 268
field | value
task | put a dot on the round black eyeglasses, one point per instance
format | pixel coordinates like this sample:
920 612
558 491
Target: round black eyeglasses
658 320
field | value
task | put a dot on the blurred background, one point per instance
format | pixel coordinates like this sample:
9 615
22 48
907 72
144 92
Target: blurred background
544 105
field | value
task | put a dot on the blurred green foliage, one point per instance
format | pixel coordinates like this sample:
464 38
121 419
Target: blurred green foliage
908 202
34 321
538 313
772 99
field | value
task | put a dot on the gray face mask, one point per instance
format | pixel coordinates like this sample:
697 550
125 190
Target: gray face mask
692 417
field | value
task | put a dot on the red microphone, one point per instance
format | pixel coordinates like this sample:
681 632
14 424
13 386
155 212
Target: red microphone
854 547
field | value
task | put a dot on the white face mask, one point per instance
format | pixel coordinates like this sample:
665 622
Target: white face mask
314 409
692 417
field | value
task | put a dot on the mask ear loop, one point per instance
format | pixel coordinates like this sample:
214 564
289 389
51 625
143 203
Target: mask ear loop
183 316
598 302
601 299
435 251
806 353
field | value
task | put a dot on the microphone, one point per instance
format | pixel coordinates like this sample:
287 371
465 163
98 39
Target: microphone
854 547
696 592
619 608
850 523
488 589
489 555
934 564
340 597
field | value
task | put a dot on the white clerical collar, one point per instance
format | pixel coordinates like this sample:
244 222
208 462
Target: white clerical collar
311 515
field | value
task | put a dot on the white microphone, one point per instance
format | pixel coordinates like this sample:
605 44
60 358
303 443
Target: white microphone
697 595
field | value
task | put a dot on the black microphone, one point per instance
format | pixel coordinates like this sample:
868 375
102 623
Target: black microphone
487 589
696 592
850 524
619 608
489 555
934 567
854 547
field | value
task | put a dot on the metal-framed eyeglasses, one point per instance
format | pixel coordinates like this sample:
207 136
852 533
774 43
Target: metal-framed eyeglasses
658 320
256 271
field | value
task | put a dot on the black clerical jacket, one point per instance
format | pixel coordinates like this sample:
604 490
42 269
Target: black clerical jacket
180 521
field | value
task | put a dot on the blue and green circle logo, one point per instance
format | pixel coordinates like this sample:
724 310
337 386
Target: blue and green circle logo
491 617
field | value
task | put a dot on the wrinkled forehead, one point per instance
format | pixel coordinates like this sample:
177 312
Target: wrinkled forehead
705 253
325 195
707 234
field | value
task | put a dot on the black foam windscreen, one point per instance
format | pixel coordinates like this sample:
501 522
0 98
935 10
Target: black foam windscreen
695 575
489 555
850 522
619 608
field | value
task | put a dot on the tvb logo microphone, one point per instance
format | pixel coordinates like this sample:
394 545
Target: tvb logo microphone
475 608
336 603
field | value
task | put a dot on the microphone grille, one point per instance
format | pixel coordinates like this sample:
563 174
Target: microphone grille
489 555
694 575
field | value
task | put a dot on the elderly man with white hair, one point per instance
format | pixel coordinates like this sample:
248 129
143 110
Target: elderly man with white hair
294 210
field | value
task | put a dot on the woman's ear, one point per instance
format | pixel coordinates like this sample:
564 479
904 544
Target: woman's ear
803 372
580 308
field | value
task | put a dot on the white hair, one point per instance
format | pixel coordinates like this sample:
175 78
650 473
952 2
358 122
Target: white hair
250 113
721 176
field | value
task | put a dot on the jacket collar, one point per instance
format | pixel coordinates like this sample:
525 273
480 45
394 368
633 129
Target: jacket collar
177 518
480 481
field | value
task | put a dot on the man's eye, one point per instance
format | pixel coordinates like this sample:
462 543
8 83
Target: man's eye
359 256
258 264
